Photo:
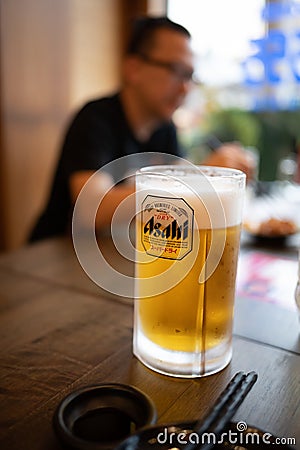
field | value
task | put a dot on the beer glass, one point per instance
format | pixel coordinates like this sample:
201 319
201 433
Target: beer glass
188 223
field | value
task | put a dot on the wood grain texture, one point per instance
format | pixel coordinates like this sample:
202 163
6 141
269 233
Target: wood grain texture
57 337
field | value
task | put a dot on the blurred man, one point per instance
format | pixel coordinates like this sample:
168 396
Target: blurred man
157 74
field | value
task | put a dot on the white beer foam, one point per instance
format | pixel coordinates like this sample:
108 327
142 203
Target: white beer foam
217 201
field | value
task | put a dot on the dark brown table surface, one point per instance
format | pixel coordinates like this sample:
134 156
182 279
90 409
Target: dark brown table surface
60 331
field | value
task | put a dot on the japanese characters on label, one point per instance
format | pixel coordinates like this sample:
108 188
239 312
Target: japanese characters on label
167 227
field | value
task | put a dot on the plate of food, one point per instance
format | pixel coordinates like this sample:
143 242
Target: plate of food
271 228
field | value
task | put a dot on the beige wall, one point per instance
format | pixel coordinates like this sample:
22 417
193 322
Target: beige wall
55 55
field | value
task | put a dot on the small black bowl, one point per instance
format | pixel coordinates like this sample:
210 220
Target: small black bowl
100 417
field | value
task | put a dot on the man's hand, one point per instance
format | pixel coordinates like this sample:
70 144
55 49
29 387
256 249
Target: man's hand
234 156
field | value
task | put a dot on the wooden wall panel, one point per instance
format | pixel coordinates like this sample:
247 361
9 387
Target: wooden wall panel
130 9
55 55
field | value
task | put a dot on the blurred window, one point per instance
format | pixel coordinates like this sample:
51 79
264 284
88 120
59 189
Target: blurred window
247 52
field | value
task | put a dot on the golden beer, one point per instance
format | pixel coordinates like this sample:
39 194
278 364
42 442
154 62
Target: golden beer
186 261
191 315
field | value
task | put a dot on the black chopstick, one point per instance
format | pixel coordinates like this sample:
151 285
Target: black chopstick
213 143
224 409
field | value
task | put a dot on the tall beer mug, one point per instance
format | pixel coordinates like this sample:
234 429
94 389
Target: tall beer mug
188 223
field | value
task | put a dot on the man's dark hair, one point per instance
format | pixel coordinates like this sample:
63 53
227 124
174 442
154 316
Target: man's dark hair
144 30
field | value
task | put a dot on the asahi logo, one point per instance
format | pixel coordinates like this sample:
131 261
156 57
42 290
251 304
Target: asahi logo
171 231
167 227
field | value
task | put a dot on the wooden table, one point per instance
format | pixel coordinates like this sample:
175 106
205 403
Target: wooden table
59 331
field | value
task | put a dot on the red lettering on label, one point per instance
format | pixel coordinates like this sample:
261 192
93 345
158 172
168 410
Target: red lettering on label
163 216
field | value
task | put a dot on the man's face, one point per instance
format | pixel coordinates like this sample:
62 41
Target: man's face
165 73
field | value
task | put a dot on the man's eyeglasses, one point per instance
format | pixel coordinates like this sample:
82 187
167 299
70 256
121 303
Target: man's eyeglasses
180 72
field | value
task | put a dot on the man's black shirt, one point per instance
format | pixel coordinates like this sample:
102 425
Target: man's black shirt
98 135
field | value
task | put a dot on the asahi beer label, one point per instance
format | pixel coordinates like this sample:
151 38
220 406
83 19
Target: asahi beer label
167 227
